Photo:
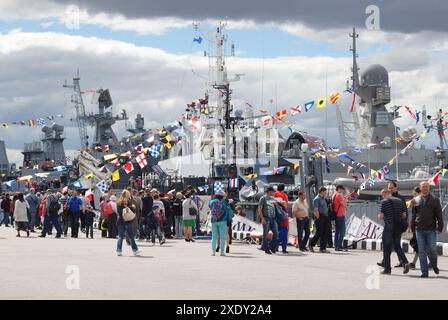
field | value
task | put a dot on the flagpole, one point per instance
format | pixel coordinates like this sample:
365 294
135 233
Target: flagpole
396 143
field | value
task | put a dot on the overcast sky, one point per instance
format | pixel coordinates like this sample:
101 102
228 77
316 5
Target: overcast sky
290 52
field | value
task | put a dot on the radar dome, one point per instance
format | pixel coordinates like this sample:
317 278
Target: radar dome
375 75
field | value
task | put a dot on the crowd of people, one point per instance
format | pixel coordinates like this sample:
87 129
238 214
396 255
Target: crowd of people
150 215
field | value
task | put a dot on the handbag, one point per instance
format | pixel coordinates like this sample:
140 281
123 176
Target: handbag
128 214
192 210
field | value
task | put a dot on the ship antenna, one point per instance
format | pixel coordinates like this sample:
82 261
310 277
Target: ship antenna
355 69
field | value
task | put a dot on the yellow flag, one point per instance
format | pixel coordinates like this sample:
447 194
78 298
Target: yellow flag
391 162
89 176
408 203
116 175
109 157
321 103
372 172
444 172
252 176
423 134
296 166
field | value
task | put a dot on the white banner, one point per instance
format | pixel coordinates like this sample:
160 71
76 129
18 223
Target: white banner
243 224
364 228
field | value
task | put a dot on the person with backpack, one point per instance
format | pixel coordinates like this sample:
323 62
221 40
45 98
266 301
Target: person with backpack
33 202
65 215
281 217
338 207
158 210
125 223
219 215
21 215
52 206
266 212
189 212
393 213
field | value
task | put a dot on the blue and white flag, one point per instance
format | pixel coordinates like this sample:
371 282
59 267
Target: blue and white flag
60 168
40 122
234 183
77 184
203 188
102 186
372 181
417 117
219 187
154 151
386 170
308 106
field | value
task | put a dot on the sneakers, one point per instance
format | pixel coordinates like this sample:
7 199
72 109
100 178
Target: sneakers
412 266
436 270
424 275
213 253
324 251
119 253
310 248
223 254
162 242
137 253
386 272
227 249
268 251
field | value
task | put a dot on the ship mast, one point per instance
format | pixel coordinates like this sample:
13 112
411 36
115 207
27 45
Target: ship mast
76 99
355 69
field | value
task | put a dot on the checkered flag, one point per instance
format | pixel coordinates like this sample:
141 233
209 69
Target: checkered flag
219 187
154 151
40 122
102 186
371 181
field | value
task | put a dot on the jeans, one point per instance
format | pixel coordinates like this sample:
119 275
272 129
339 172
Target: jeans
6 218
33 216
321 233
282 238
271 225
153 231
219 229
198 225
142 228
122 229
427 240
303 225
392 240
112 226
74 223
49 221
339 233
179 226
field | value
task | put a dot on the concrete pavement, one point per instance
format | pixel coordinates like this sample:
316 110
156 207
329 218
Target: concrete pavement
48 268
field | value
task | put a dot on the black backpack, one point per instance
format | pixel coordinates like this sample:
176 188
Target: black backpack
54 206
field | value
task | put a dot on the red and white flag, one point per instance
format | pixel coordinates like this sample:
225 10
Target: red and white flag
126 154
150 140
128 167
295 110
434 180
116 162
89 194
106 148
141 160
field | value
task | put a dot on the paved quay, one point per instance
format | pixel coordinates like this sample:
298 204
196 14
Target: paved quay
35 268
